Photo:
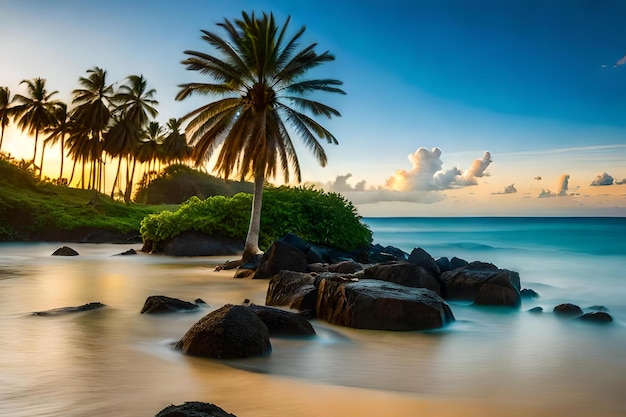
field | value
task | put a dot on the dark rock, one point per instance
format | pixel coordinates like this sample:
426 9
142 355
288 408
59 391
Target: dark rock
66 310
283 323
443 263
483 283
193 409
281 256
156 304
597 317
296 241
457 263
378 254
568 310
192 243
536 310
65 251
199 301
422 258
296 290
314 257
318 267
380 305
130 251
598 308
244 273
345 267
528 293
230 332
403 273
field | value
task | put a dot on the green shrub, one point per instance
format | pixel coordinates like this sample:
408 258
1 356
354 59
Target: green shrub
318 217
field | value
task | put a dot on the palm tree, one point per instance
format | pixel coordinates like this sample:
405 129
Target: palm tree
92 115
62 127
6 111
135 107
175 146
35 112
258 76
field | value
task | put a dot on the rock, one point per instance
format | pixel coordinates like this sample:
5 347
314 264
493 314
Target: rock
283 323
199 301
314 257
457 263
156 304
422 258
528 293
597 317
296 241
281 256
598 308
65 251
66 310
130 251
318 267
345 267
443 263
379 254
295 290
229 332
379 305
244 273
536 310
568 310
193 409
192 243
403 273
484 284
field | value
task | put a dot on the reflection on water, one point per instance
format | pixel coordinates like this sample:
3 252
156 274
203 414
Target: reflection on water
117 362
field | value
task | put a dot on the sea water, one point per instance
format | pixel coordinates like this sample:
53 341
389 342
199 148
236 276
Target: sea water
117 362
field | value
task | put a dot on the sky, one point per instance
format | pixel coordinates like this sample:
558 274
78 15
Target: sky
453 107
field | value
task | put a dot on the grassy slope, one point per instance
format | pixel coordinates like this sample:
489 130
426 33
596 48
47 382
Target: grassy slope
33 210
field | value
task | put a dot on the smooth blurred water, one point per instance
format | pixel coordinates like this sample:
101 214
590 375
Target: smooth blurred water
117 362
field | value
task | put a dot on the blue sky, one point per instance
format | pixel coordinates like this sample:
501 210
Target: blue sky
533 83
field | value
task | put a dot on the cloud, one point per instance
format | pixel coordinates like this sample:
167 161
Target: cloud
340 184
603 179
621 182
562 192
427 174
509 189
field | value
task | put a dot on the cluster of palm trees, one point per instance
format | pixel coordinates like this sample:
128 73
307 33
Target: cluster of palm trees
103 125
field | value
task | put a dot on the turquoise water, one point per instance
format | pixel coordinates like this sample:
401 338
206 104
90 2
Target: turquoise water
116 362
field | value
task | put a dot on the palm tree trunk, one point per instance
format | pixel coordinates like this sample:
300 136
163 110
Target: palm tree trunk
62 158
251 248
1 137
35 151
117 176
72 174
43 151
129 183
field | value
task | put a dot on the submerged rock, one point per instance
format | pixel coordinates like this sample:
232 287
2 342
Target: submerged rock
567 310
66 310
193 409
156 304
227 333
282 323
597 317
65 251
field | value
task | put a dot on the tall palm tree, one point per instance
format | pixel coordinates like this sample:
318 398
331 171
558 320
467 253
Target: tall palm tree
36 110
93 115
135 106
175 146
6 111
57 133
259 77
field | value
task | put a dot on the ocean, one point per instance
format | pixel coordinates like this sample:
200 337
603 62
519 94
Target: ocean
490 362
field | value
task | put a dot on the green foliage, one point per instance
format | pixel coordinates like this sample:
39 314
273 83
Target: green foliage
316 216
178 183
37 210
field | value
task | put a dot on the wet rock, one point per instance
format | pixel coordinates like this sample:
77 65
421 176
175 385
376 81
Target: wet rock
596 317
345 267
130 251
65 251
403 273
379 305
457 263
227 333
283 323
281 256
192 243
193 409
528 293
158 304
66 310
567 310
443 263
422 258
536 310
297 290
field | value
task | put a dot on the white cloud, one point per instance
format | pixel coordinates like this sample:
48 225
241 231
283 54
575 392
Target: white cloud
603 179
340 184
427 174
509 189
562 192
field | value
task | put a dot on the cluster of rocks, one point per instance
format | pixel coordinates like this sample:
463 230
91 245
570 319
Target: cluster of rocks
597 314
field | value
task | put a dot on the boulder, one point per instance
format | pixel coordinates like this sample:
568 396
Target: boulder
457 263
296 290
65 251
443 263
345 267
281 256
193 409
229 332
597 317
157 304
402 273
484 284
568 310
283 323
528 293
193 243
536 310
378 254
130 251
66 310
422 258
380 305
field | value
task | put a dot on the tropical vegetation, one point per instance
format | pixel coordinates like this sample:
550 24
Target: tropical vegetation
319 217
258 75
